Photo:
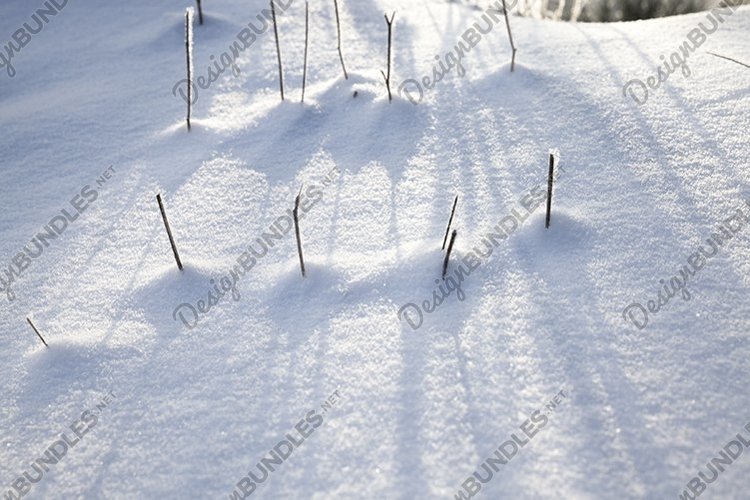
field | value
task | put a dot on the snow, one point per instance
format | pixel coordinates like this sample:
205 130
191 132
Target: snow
193 410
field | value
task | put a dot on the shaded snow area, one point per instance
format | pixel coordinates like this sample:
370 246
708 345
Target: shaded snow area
603 358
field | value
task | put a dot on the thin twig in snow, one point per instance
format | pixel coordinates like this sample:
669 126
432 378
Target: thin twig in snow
510 36
450 221
448 253
307 34
37 333
169 232
296 230
729 59
338 31
278 50
390 38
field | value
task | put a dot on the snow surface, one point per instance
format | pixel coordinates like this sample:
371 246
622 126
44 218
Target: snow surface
195 409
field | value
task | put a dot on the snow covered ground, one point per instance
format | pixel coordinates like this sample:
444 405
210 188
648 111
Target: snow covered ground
133 403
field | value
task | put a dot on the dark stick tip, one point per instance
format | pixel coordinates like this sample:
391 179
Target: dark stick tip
295 213
169 232
448 253
550 183
450 221
37 333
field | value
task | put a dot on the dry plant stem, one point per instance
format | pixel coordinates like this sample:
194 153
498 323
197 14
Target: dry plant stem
387 77
338 33
37 333
510 36
448 253
307 35
296 230
550 182
189 76
200 13
729 59
169 232
278 50
450 221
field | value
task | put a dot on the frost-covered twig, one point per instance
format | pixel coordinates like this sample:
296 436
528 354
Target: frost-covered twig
278 50
338 34
560 9
575 11
550 181
189 55
510 36
307 35
387 77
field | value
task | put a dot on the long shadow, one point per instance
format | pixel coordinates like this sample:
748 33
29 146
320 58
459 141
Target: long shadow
690 234
574 370
682 103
